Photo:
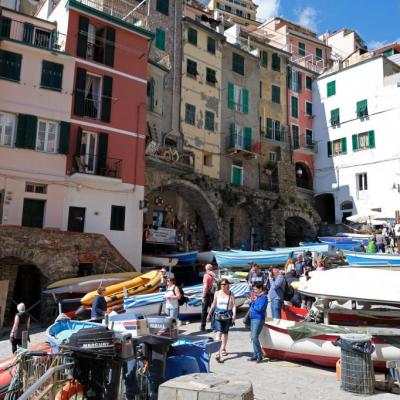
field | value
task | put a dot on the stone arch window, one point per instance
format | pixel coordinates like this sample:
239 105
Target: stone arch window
346 205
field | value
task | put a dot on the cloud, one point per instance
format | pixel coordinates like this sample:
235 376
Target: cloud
307 17
376 44
267 9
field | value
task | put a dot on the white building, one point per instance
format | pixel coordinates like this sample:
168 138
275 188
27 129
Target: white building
357 116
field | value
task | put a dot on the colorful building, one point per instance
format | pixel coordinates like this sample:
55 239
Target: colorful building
241 12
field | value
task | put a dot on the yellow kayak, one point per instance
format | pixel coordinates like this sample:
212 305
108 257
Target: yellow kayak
104 277
146 283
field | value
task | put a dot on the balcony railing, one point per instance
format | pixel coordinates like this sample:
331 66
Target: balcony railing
304 183
125 10
304 144
307 60
277 135
93 164
32 35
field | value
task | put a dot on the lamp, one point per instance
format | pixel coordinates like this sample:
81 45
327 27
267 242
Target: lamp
299 172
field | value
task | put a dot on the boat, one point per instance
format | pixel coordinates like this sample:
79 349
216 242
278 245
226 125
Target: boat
115 294
205 257
243 258
355 236
304 341
122 276
159 261
345 244
152 303
92 284
373 259
186 258
312 247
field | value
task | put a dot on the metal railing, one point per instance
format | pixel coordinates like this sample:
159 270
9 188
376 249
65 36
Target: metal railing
89 164
307 60
92 102
33 35
278 135
304 143
237 142
121 9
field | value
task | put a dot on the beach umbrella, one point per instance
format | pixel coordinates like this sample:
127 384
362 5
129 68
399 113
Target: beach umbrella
363 217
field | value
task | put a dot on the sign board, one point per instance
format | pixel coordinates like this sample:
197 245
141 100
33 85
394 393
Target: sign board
162 235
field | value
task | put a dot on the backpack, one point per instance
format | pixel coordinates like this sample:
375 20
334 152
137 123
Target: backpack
183 300
288 292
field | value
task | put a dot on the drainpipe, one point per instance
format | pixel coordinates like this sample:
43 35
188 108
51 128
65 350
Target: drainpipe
173 122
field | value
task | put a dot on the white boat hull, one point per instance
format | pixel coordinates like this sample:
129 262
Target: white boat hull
159 261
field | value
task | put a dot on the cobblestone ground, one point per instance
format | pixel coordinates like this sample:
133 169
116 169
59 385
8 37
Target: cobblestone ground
272 380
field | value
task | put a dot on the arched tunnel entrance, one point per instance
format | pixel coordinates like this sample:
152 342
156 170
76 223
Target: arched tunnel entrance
297 230
325 205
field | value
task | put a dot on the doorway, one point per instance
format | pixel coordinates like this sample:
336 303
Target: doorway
76 219
33 213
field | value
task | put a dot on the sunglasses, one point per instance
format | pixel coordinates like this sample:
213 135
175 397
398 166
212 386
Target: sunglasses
224 284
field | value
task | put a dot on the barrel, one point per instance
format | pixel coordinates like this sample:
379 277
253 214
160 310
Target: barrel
357 370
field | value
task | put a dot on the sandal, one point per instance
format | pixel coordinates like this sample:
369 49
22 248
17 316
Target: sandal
224 353
218 359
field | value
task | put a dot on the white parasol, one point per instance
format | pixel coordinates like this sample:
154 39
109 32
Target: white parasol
364 217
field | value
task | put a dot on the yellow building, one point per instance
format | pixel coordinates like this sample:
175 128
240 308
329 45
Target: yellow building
201 95
242 12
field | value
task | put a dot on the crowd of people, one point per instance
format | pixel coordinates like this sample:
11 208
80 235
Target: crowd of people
384 240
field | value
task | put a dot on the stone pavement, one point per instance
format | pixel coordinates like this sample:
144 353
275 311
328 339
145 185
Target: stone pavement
272 380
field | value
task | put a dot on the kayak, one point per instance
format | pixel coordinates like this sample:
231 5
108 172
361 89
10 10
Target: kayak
114 294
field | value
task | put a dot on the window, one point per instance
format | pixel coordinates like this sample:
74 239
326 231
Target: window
96 43
309 137
93 96
47 136
309 109
190 114
237 175
335 117
210 121
362 109
52 74
362 183
32 187
273 156
302 49
346 205
207 160
192 36
276 94
264 58
296 136
295 82
10 65
308 82
211 76
191 68
238 63
363 141
7 129
337 147
211 45
331 88
117 222
160 39
295 107
150 94
318 54
276 62
238 98
240 137
163 6
274 130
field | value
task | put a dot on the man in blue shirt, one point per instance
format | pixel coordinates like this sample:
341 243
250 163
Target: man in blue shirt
99 306
276 292
299 265
256 276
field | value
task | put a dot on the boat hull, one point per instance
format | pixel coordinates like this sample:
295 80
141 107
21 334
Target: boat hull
187 258
243 258
373 260
159 261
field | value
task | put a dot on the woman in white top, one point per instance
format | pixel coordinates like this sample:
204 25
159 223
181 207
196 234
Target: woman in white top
224 302
172 295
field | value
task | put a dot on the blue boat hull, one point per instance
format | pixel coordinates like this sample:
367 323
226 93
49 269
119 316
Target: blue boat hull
377 259
184 258
243 258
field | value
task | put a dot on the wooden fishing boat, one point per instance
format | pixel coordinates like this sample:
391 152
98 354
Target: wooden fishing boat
373 259
186 258
159 261
243 258
114 294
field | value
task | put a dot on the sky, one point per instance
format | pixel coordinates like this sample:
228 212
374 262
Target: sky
376 22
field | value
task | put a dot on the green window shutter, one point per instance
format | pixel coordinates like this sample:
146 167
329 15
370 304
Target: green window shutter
302 49
331 88
329 145
309 82
295 107
10 65
289 77
80 82
299 82
276 62
211 45
247 138
106 99
82 36
160 39
354 140
63 145
269 128
192 36
78 142
264 59
233 135
163 6
110 47
52 74
362 108
238 63
245 101
231 95
318 54
53 38
20 139
344 145
102 153
335 117
150 94
5 27
30 131
236 176
371 139
27 36
309 109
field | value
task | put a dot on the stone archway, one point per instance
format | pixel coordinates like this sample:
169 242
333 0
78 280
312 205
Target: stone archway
299 229
197 200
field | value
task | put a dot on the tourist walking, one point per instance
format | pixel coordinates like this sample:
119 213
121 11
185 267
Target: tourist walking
172 296
22 323
299 265
208 294
258 310
276 291
163 280
99 306
256 275
224 315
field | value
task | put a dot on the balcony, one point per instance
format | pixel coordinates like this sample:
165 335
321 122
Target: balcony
126 10
237 144
32 35
275 135
305 145
93 164
307 60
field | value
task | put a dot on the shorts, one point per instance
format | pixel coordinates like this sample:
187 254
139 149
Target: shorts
222 326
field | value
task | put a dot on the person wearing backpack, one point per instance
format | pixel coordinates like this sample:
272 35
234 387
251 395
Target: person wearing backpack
209 289
172 297
276 292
